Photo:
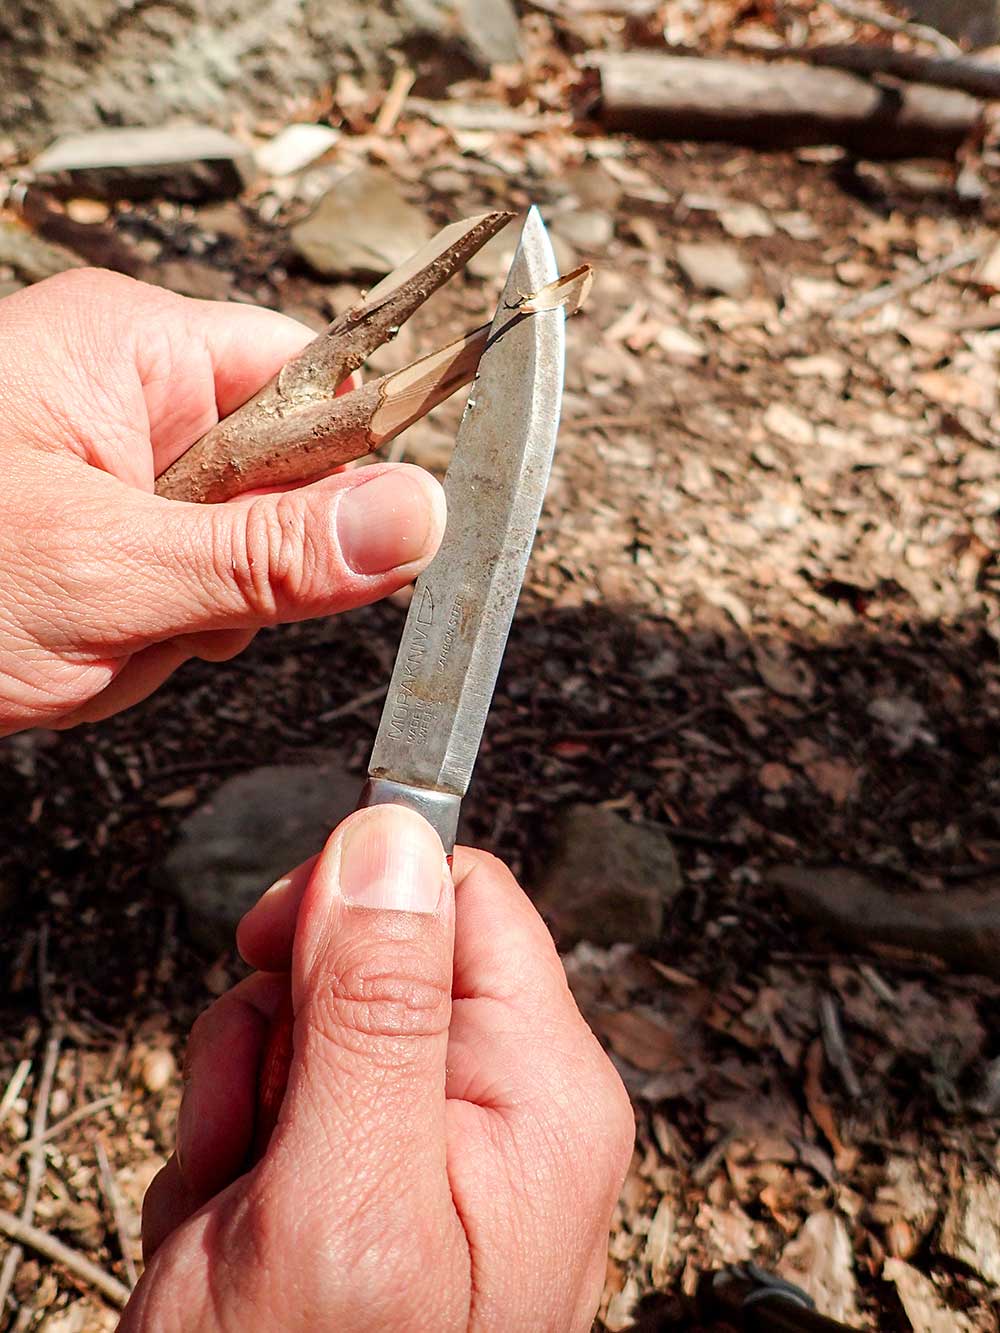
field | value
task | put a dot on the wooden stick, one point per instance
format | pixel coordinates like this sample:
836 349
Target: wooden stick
324 433
23 1233
13 1089
117 1211
36 1162
779 104
909 282
974 77
295 404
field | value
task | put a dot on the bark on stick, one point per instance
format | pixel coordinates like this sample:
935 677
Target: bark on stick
780 104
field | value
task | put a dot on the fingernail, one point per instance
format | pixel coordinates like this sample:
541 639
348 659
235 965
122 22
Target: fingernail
392 859
390 520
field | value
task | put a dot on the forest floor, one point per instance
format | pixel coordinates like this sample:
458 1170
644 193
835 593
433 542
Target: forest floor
762 613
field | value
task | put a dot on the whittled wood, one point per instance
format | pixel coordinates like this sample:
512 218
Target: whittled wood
294 429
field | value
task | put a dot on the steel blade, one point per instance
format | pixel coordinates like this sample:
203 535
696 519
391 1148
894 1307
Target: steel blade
463 603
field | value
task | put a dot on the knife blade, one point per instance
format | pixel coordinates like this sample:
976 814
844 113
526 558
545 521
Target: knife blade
459 619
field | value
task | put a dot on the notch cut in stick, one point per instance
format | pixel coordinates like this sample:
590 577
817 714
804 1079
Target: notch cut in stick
312 378
323 434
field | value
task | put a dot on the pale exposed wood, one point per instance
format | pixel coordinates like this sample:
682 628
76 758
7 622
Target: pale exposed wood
779 104
242 452
920 32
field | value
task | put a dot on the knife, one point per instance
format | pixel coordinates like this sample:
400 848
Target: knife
463 603
459 619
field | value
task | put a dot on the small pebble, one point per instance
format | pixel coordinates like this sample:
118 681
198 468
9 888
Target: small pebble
158 1069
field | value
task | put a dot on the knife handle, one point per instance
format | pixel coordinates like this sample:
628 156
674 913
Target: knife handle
441 810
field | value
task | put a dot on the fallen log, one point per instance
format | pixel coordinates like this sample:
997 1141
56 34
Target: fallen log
781 104
975 77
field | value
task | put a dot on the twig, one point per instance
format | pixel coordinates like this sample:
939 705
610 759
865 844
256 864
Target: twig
402 81
13 1088
835 1045
909 283
117 1211
81 1113
352 705
36 1162
249 448
920 32
23 1233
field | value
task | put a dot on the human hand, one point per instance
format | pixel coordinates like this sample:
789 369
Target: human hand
452 1140
108 588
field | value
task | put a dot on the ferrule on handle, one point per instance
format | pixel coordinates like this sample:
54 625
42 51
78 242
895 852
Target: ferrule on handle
440 808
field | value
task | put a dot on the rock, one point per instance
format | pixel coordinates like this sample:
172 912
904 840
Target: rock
362 226
294 148
494 259
920 1299
255 828
970 1231
158 1069
178 161
711 266
588 229
820 1260
607 880
67 65
680 345
745 220
190 278
31 258
960 926
486 30
789 425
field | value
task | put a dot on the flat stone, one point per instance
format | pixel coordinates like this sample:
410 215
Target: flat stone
254 829
294 148
960 926
362 226
713 266
31 258
922 1302
179 162
588 229
607 880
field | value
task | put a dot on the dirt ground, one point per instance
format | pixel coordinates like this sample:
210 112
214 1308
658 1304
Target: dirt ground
762 612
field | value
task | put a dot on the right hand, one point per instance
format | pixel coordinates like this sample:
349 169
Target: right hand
453 1138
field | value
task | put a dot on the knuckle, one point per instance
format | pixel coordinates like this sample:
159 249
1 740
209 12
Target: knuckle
266 556
394 1000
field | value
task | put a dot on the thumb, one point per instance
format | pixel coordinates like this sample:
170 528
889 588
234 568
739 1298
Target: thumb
168 568
371 988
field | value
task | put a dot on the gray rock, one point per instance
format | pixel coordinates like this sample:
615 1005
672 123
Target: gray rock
588 229
31 258
179 161
362 226
294 147
486 30
960 926
713 266
607 880
67 65
255 828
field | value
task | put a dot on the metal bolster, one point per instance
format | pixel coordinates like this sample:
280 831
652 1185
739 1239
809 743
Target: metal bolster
440 808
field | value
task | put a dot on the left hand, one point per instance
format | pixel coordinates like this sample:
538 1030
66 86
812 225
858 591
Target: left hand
106 588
